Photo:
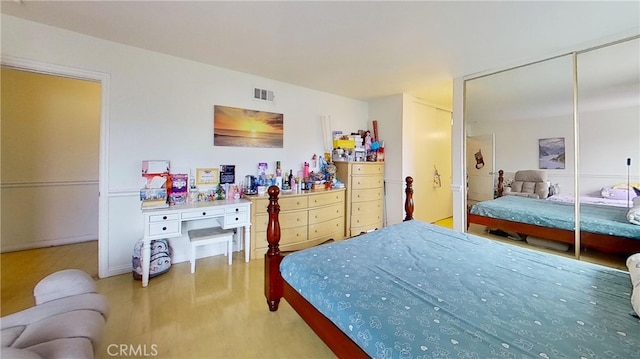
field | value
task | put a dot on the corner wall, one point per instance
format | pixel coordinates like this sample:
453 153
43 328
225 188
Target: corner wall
161 107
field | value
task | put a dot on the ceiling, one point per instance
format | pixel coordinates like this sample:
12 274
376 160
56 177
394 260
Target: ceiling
357 49
607 77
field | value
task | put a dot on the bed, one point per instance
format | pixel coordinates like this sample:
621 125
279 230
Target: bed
415 290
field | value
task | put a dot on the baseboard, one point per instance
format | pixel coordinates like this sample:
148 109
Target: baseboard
47 243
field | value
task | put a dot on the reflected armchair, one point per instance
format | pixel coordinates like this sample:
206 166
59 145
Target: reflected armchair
528 183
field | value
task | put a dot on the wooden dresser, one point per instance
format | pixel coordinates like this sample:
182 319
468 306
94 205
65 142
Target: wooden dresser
306 220
364 205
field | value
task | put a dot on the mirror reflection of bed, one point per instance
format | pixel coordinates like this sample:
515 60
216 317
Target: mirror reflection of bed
547 222
525 105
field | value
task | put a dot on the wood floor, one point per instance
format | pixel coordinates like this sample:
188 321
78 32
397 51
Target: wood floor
218 312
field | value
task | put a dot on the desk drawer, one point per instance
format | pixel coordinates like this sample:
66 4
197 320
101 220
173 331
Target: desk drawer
160 229
164 217
235 219
203 213
239 209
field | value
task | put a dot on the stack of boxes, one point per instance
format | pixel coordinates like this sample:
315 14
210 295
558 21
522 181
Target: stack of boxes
155 175
348 148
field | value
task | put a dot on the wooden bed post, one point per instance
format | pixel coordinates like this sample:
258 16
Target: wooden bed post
273 257
408 202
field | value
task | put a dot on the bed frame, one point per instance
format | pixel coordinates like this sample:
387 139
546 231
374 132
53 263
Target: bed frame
601 242
276 288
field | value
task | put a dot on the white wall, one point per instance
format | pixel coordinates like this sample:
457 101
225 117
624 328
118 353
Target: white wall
607 138
161 107
388 111
418 136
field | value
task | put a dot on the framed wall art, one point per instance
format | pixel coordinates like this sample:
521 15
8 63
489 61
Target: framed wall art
247 128
207 177
551 153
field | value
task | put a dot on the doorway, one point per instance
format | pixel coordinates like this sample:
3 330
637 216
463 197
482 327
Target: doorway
480 168
66 180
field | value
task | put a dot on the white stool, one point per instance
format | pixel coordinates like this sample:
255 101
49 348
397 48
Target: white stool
204 236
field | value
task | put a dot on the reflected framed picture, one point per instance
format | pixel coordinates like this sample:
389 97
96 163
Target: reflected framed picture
551 153
207 177
247 128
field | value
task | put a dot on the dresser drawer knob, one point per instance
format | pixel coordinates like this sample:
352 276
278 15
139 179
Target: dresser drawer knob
164 217
204 213
164 228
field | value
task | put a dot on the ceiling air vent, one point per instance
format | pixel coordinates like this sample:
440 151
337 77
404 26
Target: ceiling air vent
263 95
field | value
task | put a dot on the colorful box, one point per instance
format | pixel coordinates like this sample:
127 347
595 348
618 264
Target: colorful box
155 167
152 194
344 144
178 190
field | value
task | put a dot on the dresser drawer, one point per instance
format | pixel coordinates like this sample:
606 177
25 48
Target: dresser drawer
260 205
328 229
326 213
365 228
367 194
326 198
286 220
360 182
371 208
161 229
287 236
367 169
292 203
203 213
365 213
164 217
360 224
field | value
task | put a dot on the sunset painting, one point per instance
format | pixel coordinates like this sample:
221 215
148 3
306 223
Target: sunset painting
247 128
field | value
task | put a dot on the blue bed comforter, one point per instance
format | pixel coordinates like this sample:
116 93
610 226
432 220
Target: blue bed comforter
414 290
593 218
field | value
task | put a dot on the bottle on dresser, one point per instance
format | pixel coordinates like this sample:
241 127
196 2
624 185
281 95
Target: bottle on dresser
291 180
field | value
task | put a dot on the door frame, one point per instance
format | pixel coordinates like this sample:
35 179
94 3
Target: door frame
103 166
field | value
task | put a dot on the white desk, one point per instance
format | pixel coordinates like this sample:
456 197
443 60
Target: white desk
167 223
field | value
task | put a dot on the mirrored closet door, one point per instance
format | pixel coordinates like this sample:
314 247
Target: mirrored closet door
519 124
553 148
608 98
